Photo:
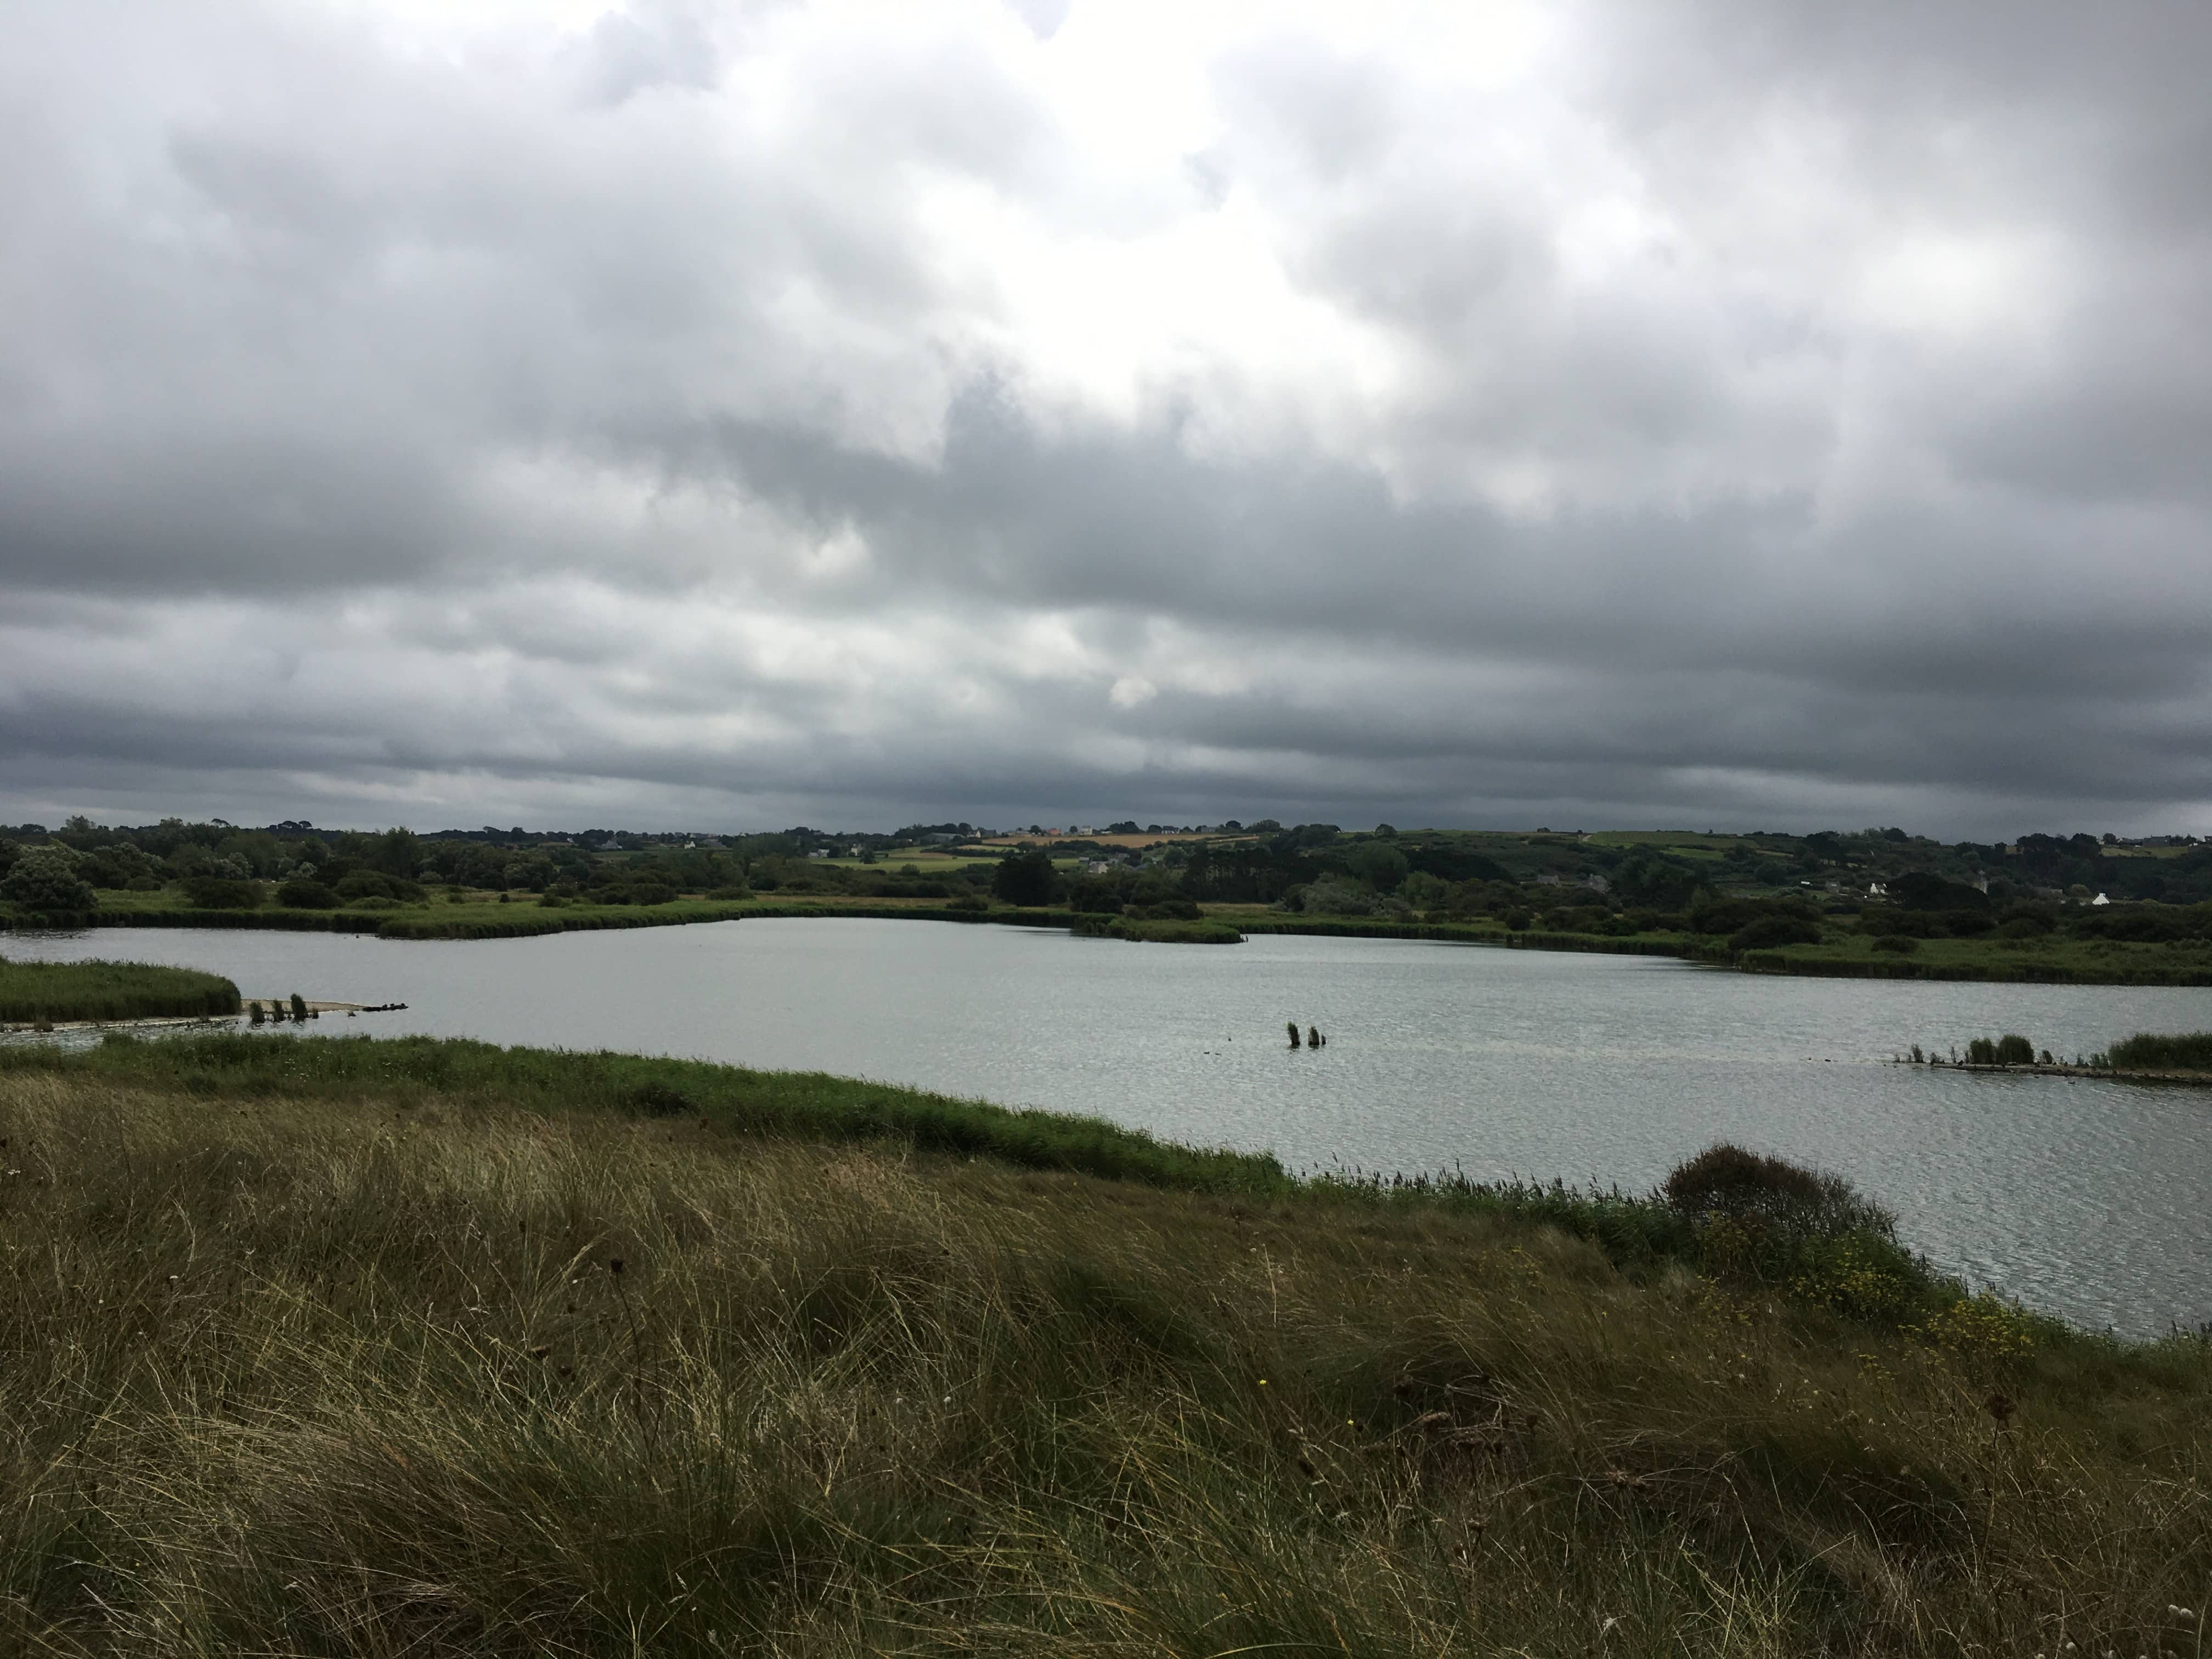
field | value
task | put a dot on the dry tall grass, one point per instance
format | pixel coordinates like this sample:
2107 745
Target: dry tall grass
287 1375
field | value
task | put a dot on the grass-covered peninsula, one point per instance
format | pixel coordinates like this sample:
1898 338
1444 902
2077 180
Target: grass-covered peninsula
351 1347
50 993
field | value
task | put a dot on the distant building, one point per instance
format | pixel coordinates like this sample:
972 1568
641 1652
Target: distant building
2100 899
1877 890
1548 878
1596 883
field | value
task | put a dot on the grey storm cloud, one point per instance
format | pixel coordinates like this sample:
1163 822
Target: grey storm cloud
727 415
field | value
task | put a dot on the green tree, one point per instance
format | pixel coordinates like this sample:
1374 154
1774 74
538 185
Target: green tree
396 853
1026 877
1380 866
44 882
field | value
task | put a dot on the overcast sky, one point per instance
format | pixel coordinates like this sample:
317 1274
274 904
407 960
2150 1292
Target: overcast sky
1721 414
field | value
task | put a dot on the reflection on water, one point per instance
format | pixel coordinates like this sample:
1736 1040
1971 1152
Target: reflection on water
2088 1199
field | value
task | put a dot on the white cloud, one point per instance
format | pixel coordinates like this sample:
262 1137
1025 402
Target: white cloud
798 404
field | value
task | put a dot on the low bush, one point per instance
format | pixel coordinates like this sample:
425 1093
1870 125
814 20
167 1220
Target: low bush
1768 931
372 884
1771 1196
1173 910
1896 945
221 893
303 893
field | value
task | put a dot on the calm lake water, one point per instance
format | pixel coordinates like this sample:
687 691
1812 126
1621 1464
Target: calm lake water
2091 1200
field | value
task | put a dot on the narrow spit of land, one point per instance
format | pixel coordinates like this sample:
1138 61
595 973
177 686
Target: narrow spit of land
52 992
353 1347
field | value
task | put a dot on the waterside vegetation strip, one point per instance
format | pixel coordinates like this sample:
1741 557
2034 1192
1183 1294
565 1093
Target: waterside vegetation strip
50 993
2142 1058
364 1348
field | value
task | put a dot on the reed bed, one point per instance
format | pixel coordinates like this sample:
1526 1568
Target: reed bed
2145 1052
30 991
372 1368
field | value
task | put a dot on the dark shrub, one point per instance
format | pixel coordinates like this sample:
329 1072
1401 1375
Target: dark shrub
731 893
1095 895
657 1099
301 894
969 901
2139 925
651 892
1728 1180
371 884
1896 945
1165 910
221 893
1713 914
1920 891
2021 927
1770 931
141 884
1515 921
2021 921
2014 1049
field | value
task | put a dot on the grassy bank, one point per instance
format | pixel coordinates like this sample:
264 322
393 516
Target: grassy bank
330 1347
35 992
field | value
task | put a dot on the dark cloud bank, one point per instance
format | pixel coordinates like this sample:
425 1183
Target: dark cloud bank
1714 415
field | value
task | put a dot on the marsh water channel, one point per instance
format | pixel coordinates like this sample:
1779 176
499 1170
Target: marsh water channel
2091 1200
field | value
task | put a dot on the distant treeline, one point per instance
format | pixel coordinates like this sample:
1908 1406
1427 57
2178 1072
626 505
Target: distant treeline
1898 886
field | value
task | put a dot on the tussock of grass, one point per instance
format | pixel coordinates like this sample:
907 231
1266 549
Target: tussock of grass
34 991
364 1366
2149 1053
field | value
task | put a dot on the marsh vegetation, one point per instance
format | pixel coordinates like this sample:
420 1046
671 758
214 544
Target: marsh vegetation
329 1347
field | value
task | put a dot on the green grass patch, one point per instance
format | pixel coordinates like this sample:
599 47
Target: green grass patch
35 992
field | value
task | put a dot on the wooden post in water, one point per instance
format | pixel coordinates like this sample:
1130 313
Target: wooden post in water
1294 1034
1313 1036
